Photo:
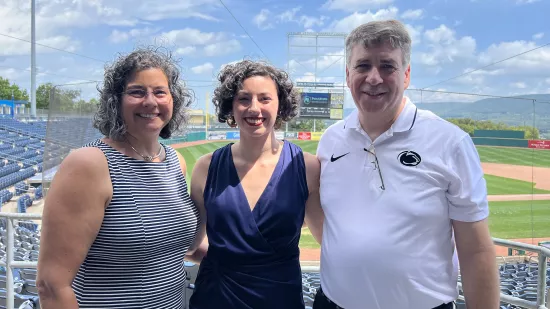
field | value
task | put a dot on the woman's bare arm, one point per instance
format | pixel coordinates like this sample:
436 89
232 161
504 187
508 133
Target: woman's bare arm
72 216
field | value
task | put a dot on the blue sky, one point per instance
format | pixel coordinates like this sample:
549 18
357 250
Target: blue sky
450 37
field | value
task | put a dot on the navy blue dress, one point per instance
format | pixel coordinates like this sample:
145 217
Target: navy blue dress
253 255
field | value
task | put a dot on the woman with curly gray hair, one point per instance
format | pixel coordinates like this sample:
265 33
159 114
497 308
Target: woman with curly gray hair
257 193
118 220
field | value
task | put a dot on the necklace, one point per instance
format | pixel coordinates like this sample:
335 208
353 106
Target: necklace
146 158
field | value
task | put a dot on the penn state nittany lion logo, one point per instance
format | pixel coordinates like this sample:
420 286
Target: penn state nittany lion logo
409 158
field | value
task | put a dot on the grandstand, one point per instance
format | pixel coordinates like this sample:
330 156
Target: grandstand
26 166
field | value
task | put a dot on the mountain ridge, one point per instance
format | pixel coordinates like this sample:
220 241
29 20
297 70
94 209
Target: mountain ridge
511 110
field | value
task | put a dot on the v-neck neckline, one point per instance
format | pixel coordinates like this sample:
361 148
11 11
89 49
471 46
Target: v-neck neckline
273 176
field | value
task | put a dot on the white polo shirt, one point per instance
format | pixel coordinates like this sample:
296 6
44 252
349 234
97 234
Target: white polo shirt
394 248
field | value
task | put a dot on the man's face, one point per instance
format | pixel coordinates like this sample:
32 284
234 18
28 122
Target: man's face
376 77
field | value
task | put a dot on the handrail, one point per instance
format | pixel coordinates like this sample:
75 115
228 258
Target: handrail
543 298
10 264
541 303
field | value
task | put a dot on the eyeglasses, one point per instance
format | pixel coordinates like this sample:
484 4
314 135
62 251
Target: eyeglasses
376 167
161 95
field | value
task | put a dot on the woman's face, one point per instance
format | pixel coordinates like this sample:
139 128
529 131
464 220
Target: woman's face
255 106
147 103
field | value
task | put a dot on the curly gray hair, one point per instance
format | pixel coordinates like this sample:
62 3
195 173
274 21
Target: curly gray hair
381 31
231 79
108 118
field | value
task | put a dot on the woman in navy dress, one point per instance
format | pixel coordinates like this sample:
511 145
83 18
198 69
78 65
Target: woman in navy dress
257 193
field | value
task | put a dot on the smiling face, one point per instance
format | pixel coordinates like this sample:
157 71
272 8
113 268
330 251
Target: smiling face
377 78
255 106
147 104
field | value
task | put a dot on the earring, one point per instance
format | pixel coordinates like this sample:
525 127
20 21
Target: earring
231 121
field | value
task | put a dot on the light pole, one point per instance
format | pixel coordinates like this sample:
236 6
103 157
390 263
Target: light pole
33 59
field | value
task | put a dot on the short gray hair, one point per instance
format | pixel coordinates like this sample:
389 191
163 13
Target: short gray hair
375 33
108 118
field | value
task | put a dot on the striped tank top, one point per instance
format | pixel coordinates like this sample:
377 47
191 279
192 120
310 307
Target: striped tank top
136 260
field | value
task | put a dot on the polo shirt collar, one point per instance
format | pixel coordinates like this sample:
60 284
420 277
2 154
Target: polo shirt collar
404 122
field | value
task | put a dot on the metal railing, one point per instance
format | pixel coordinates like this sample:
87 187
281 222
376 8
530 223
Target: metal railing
542 294
543 255
10 264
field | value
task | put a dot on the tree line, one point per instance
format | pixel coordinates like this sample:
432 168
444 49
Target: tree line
470 125
66 100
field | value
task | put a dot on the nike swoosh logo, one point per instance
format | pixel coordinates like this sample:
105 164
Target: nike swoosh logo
332 158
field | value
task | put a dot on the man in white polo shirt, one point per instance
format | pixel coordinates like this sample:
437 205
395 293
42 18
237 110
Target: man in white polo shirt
400 187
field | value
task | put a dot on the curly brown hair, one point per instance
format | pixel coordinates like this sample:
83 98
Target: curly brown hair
108 118
231 80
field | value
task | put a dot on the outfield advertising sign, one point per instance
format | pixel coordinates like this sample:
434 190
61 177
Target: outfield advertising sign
314 85
233 135
291 135
304 136
279 135
315 136
216 135
539 144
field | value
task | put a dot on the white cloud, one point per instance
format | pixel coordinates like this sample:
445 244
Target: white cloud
15 18
228 63
445 47
303 20
354 5
443 94
350 22
222 48
189 40
548 81
262 20
186 51
118 36
14 73
205 68
415 33
519 85
333 64
526 1
306 77
538 36
413 14
56 19
534 62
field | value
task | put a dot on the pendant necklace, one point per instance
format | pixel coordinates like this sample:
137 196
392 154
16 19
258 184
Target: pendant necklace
146 158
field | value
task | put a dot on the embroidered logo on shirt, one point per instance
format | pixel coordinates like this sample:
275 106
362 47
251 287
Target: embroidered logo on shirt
333 158
409 158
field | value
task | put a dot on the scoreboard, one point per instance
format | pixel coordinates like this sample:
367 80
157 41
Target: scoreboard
321 103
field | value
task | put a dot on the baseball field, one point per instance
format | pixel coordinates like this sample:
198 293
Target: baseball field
518 182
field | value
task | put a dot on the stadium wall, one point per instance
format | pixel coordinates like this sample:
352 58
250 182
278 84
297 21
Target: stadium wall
502 142
498 138
507 138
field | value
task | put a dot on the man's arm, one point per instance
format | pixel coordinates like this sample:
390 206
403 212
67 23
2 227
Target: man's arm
477 258
468 211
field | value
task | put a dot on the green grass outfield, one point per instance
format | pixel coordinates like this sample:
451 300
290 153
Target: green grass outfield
495 185
508 220
513 219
